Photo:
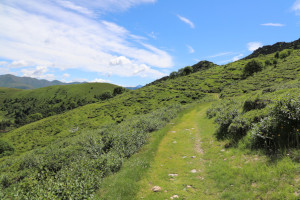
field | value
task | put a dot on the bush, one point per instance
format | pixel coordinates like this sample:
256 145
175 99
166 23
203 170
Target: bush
281 129
285 53
252 67
118 90
6 148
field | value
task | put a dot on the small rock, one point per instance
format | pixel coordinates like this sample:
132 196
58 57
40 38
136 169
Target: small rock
173 131
193 170
166 191
193 156
174 142
189 186
156 189
183 156
173 175
223 150
174 197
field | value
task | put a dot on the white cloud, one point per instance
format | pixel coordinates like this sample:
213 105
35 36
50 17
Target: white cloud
252 46
152 35
236 58
99 80
72 6
38 72
109 5
187 21
3 63
273 24
66 75
18 64
45 33
296 7
221 54
191 50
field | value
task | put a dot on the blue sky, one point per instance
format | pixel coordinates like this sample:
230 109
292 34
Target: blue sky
132 42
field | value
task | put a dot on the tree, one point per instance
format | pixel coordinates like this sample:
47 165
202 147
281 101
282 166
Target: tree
118 90
252 67
187 70
173 74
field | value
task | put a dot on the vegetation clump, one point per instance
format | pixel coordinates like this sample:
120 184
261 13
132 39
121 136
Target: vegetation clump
252 67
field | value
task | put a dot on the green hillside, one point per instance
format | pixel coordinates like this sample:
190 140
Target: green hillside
68 154
21 107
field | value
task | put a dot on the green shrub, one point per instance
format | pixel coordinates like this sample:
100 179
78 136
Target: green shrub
285 53
252 67
281 129
6 148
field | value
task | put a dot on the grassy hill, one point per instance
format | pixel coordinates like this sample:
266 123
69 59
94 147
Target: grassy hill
21 107
70 153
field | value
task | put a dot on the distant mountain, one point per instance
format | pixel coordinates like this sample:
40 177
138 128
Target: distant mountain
12 81
134 88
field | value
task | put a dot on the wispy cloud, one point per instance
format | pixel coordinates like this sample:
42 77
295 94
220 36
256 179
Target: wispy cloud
296 7
99 80
273 24
252 46
238 57
187 21
38 72
235 58
190 49
32 34
221 54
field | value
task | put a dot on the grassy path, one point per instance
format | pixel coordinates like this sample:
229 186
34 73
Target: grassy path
187 162
178 166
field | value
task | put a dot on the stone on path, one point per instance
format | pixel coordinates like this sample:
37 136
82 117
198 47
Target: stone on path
173 175
156 189
193 170
174 196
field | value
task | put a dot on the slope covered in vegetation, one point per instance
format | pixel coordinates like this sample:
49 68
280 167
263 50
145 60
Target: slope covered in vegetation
20 107
67 155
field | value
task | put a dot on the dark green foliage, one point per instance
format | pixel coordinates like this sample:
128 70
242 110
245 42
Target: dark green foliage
254 104
5 124
273 128
173 75
252 67
187 70
118 90
6 148
285 53
268 62
281 129
276 55
104 96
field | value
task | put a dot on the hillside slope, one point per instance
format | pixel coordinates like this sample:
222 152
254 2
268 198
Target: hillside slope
20 107
88 143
